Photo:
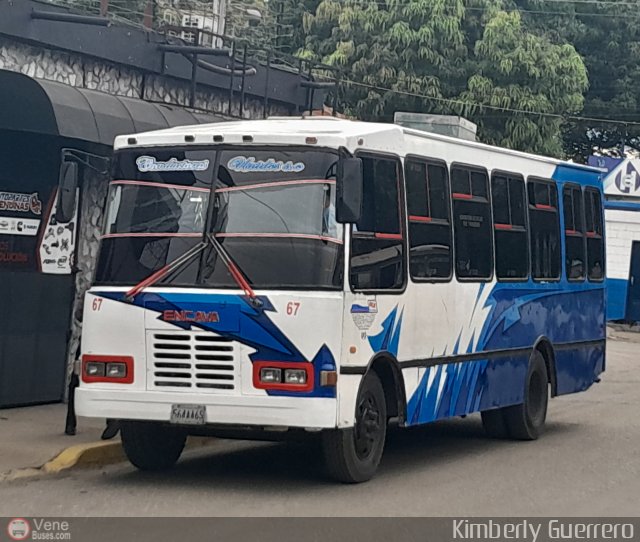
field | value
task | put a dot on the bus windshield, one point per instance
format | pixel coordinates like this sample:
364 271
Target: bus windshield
273 210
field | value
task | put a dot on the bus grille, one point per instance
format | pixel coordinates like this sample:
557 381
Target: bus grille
192 362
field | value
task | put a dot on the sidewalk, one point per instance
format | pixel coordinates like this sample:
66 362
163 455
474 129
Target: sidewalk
31 436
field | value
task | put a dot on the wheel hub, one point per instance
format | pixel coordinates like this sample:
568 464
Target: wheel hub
367 428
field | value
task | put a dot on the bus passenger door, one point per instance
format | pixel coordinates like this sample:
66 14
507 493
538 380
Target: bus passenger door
374 300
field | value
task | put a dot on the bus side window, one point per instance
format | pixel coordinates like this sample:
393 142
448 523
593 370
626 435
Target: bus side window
510 227
573 233
472 223
544 225
377 249
595 241
430 253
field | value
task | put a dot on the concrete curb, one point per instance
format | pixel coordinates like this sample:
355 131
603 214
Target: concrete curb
93 454
85 455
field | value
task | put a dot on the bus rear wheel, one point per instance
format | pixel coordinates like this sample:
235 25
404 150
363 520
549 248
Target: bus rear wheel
524 421
352 455
152 446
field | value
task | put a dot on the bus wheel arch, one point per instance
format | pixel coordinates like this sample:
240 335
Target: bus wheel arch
544 346
386 367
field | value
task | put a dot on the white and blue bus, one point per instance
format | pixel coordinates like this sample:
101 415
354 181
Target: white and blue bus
326 276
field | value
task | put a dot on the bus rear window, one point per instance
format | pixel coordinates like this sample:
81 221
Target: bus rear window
573 233
595 241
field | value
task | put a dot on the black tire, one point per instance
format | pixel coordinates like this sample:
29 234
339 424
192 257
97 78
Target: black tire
353 455
152 446
524 421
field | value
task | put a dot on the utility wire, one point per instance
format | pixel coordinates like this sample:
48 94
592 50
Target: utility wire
454 101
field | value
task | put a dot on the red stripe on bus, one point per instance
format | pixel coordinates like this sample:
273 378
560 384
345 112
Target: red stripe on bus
273 184
283 235
162 185
460 195
499 226
416 218
395 236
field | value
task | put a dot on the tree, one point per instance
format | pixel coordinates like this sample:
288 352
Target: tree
607 36
447 57
279 27
522 71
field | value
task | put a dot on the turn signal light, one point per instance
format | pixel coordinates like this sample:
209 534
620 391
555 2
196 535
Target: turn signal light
116 369
275 375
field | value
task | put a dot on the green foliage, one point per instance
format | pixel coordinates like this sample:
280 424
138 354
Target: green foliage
518 70
456 56
607 36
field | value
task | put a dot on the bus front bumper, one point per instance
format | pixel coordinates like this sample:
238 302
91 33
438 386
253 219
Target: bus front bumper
303 412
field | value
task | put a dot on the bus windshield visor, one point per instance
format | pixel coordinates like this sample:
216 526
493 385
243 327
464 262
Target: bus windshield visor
273 210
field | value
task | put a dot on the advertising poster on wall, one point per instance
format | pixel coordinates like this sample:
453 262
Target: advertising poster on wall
56 248
20 221
30 237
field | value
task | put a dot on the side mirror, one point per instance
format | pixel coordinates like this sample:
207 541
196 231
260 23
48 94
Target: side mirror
349 187
67 188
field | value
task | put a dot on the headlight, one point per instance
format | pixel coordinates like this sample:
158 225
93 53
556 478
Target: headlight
116 370
101 368
270 375
94 368
295 376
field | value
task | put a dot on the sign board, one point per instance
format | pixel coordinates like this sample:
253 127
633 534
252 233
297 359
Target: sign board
624 179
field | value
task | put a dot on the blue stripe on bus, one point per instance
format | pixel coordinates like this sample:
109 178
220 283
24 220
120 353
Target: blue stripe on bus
566 173
249 326
519 315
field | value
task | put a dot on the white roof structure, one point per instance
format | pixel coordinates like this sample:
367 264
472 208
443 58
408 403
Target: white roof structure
327 131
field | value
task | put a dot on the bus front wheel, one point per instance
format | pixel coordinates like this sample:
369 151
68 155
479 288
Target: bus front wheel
352 455
525 420
152 446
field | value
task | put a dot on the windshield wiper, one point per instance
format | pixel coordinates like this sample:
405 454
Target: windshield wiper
235 272
231 266
164 271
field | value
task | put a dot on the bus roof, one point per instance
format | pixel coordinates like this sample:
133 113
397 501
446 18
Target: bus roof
328 131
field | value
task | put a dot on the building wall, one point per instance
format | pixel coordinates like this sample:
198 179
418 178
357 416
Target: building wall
86 72
93 195
622 227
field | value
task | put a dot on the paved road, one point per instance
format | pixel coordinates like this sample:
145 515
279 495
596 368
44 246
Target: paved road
586 464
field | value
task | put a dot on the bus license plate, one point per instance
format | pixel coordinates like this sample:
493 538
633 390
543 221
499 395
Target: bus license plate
189 414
